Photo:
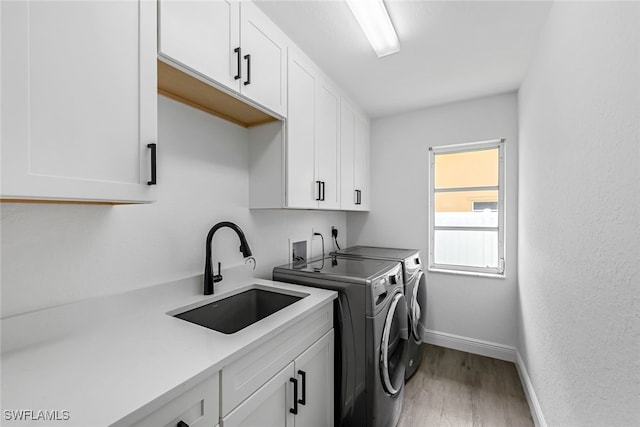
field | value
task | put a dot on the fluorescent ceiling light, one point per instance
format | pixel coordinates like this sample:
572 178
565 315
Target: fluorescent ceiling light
376 24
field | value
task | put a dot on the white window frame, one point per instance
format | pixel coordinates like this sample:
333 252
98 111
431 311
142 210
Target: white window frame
460 148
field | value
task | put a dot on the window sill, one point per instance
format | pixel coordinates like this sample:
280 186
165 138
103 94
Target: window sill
467 273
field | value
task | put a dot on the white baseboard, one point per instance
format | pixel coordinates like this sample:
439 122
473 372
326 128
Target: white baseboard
470 345
532 399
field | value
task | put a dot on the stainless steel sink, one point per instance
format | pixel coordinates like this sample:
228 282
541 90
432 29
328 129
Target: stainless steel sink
231 314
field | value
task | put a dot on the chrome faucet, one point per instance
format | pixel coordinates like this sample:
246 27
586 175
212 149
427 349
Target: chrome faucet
209 277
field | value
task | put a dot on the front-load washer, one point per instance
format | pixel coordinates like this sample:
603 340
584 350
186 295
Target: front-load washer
415 291
371 328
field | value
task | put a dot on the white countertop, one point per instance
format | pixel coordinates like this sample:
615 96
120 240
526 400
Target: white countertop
127 363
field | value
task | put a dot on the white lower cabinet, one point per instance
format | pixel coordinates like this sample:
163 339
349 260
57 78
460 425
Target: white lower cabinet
259 389
300 395
197 407
267 407
314 372
285 381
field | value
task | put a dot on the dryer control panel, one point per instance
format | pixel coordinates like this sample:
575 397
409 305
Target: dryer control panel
413 263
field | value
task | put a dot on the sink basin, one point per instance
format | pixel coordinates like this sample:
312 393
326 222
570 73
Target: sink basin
231 314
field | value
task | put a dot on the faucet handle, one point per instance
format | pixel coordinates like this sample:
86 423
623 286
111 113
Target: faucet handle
218 277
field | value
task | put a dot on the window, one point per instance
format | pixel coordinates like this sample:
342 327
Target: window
466 207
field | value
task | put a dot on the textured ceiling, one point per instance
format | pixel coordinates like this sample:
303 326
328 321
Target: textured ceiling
449 50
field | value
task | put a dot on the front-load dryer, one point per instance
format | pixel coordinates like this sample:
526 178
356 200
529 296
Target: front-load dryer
371 328
415 290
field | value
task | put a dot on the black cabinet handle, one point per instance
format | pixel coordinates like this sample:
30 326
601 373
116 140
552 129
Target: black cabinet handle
319 197
182 424
303 374
322 184
239 53
358 197
248 58
153 164
294 410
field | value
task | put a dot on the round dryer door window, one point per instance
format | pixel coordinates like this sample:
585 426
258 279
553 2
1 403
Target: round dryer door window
394 345
418 305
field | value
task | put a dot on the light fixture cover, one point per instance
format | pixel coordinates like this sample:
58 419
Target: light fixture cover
375 22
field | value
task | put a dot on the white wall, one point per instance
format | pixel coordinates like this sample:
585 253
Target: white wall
473 307
55 254
579 216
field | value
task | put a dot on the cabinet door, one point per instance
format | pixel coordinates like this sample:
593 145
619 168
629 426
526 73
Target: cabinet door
354 158
361 161
327 145
197 407
264 60
202 35
347 144
302 190
78 100
314 371
269 406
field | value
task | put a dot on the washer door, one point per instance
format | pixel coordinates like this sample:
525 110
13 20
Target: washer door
418 305
394 345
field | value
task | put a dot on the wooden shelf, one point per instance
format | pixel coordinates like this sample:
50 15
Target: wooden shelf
182 87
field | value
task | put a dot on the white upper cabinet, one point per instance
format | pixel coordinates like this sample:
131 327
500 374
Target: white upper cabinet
327 147
302 189
354 157
202 36
312 137
78 100
321 160
348 196
264 60
361 163
230 43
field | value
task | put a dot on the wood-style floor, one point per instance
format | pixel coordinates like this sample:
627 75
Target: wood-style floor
454 388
